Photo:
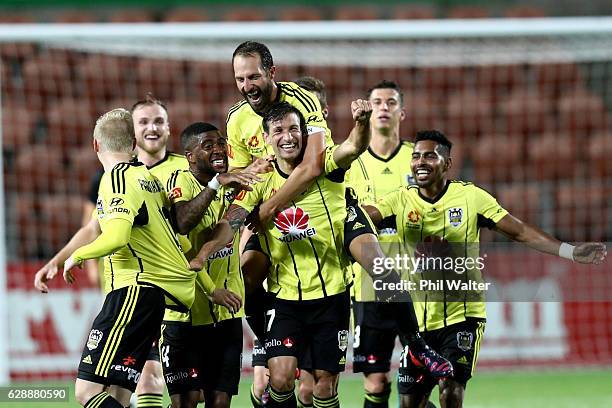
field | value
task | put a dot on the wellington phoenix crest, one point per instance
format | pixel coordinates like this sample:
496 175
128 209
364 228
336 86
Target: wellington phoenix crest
293 224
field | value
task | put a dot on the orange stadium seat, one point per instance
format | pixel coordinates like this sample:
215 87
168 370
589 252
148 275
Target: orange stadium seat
356 13
414 12
500 80
210 81
523 201
139 15
582 211
40 169
185 15
524 11
244 14
300 14
163 78
552 155
424 110
70 123
600 152
582 112
525 111
469 113
495 156
18 123
468 12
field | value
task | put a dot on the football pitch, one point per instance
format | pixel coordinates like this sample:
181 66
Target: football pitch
556 389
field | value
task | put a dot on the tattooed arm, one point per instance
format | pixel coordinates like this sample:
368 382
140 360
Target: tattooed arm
222 234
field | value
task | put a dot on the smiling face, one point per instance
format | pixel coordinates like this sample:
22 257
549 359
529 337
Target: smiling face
387 111
254 82
429 165
285 136
152 128
209 154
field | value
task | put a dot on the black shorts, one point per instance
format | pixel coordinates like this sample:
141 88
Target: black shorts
260 358
374 336
313 331
459 343
202 357
357 220
121 336
253 244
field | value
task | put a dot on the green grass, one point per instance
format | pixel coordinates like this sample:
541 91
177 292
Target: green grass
558 389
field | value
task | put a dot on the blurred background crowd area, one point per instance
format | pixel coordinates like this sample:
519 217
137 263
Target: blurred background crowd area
535 134
127 11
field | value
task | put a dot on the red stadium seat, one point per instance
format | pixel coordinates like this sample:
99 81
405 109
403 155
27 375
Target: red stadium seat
522 201
500 80
300 14
40 169
469 113
495 156
18 51
210 81
424 110
356 13
552 155
84 164
468 12
582 211
18 123
70 123
582 112
76 16
140 15
600 152
524 11
60 218
46 77
163 78
552 79
185 112
104 77
414 12
525 111
244 14
16 18
24 209
185 15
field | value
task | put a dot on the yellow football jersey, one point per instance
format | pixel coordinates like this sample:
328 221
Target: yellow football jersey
245 128
304 242
153 255
453 222
223 266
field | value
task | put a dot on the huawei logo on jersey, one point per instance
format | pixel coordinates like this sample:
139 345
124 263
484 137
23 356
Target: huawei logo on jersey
293 224
228 250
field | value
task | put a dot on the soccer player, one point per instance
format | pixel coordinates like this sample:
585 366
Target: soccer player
384 167
147 268
309 273
202 349
254 75
431 216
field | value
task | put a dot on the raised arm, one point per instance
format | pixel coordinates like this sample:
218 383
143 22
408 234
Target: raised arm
533 237
221 235
86 234
359 138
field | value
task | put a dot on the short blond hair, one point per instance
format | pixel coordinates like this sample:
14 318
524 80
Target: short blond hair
114 131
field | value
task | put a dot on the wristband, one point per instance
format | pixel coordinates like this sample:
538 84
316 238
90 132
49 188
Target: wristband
566 251
214 184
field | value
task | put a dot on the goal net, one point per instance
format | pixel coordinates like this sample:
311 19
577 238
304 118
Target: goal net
527 103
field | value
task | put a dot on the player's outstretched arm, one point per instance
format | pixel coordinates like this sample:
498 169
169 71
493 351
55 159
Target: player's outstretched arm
86 234
221 235
115 236
359 138
533 237
189 213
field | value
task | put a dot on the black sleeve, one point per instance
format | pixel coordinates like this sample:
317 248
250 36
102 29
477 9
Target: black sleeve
94 186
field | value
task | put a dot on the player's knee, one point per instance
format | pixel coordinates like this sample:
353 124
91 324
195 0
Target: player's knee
282 382
151 379
451 394
83 392
305 392
325 386
219 400
376 383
